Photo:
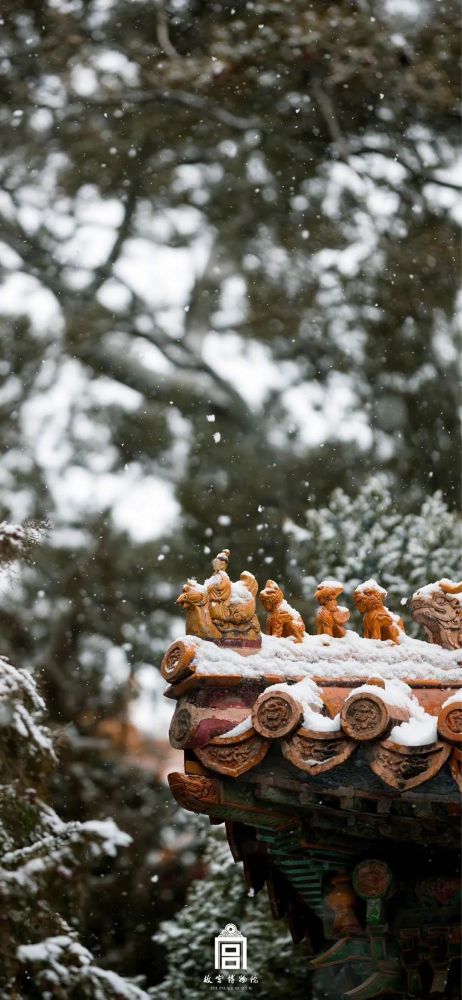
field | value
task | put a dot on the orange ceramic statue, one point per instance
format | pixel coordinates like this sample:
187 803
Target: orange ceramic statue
331 616
378 621
438 608
195 600
218 586
282 621
221 610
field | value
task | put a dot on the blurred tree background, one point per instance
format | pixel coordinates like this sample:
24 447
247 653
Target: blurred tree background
228 244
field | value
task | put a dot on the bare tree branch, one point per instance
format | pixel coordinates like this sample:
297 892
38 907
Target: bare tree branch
191 392
328 113
103 272
157 95
420 175
193 386
163 33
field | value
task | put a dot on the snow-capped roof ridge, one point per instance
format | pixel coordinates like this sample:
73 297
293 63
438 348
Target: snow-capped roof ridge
323 656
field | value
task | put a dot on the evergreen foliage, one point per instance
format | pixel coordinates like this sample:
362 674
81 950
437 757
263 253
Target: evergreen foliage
215 901
43 864
60 887
354 539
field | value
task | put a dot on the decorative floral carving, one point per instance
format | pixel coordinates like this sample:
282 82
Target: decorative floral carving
276 714
445 891
180 728
407 767
450 721
282 620
331 617
378 622
233 759
317 752
438 609
195 792
365 717
454 721
178 661
372 879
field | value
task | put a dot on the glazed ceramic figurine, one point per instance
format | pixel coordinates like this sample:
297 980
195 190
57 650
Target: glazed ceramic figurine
194 599
378 621
331 616
222 610
282 621
438 608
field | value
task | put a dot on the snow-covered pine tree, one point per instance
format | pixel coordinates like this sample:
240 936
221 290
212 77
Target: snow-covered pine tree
279 968
74 616
213 902
355 538
43 860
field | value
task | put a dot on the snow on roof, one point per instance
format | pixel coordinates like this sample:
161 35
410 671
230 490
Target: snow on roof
420 729
395 693
370 585
323 656
436 588
416 732
453 699
311 702
307 693
242 727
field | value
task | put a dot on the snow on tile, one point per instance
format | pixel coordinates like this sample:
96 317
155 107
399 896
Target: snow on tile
453 700
323 656
420 729
242 727
395 693
416 732
307 693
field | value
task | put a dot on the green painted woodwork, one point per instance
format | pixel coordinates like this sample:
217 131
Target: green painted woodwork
303 867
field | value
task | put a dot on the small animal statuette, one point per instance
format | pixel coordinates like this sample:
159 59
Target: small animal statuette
222 610
438 609
331 616
195 599
378 621
282 621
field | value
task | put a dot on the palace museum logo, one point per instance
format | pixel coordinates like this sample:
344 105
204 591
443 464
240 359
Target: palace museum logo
230 950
